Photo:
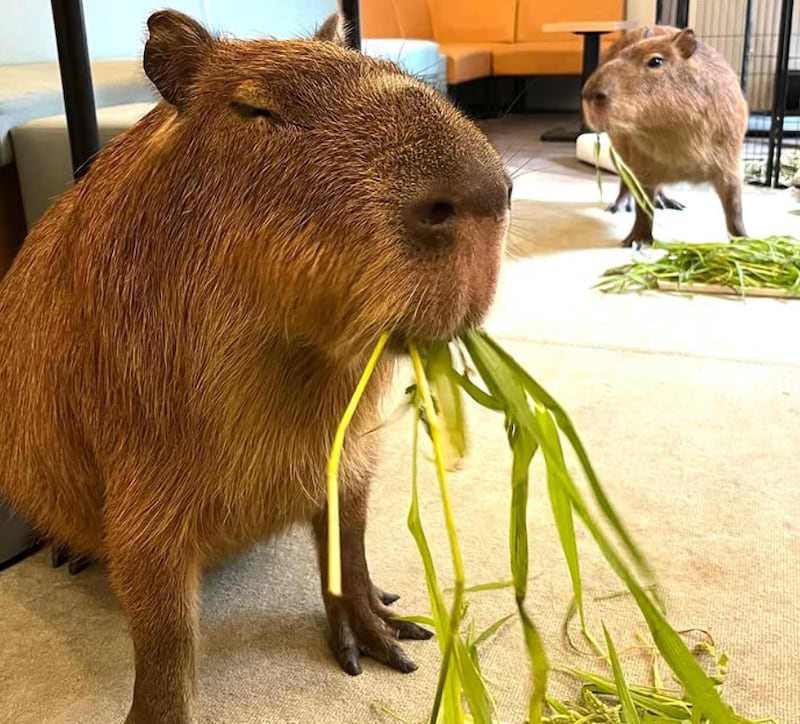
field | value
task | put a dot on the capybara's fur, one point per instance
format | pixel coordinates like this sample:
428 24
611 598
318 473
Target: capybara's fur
675 106
624 200
182 331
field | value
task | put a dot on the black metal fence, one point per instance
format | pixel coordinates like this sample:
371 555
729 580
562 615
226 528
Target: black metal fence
760 40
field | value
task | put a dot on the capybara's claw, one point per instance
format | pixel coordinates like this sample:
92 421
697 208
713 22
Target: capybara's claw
360 630
669 203
345 648
398 659
79 564
386 598
620 205
409 630
59 556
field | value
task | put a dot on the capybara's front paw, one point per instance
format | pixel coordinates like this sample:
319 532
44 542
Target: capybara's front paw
362 625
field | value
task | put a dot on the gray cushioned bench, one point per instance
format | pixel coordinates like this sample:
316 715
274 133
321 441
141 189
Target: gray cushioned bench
41 149
33 90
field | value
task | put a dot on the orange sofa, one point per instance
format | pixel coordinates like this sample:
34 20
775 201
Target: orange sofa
482 38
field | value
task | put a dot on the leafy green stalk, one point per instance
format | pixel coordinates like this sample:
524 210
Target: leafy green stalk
493 365
628 707
480 703
506 390
334 535
448 689
632 183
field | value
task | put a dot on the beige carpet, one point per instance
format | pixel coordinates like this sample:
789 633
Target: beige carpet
689 408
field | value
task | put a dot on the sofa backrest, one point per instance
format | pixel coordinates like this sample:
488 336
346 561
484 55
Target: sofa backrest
472 21
481 21
396 19
532 14
378 19
414 18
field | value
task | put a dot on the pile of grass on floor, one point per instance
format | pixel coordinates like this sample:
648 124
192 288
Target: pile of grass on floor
742 265
477 367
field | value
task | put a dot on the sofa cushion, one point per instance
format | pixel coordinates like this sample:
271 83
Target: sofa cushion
540 58
467 61
536 58
472 21
33 90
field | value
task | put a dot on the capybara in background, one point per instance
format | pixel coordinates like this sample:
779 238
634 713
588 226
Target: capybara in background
676 104
181 332
624 200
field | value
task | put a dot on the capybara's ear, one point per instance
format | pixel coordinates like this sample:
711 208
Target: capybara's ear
174 51
648 32
332 30
686 42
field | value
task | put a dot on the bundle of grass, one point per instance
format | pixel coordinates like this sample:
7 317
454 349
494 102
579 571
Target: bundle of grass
476 366
745 266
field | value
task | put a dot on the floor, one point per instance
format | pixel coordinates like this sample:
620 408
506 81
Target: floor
689 407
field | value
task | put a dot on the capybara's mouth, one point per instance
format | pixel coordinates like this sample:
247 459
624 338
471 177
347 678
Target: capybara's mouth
399 340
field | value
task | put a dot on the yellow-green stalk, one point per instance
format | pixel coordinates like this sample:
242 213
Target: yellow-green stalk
334 535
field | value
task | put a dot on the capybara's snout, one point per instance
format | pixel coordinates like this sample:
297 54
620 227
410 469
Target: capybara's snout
445 211
596 98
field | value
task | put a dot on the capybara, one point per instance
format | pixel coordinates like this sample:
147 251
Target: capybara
624 200
677 107
181 332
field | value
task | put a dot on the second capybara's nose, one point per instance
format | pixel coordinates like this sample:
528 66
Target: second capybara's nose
594 92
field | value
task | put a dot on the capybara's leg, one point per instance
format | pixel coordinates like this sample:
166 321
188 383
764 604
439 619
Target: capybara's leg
158 591
642 231
624 200
359 621
729 190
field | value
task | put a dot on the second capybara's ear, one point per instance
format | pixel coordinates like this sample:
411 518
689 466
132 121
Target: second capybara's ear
333 30
176 47
686 42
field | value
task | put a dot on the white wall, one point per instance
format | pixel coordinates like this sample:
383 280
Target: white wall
117 28
642 12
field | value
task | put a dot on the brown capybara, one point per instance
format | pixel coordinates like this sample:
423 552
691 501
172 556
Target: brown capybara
181 332
676 105
624 200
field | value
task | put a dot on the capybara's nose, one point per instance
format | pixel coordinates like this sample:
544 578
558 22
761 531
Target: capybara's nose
432 217
595 93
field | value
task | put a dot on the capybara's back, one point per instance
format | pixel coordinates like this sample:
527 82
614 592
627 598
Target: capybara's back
181 333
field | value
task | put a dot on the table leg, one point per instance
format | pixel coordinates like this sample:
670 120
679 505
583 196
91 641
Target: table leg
76 83
591 59
591 55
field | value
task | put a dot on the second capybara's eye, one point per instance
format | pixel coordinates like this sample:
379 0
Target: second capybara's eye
655 62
